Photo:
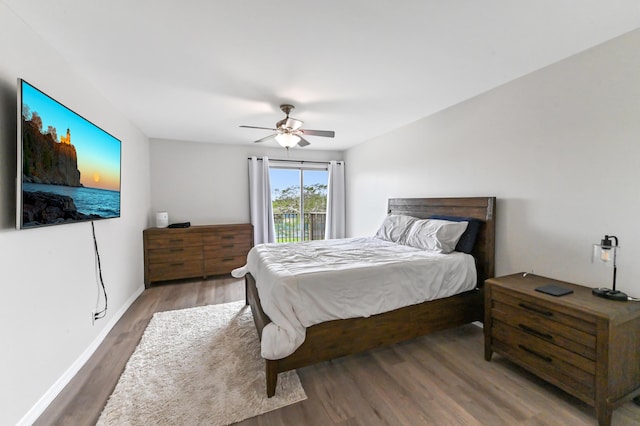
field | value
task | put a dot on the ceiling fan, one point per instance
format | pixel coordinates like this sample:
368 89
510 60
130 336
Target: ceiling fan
289 132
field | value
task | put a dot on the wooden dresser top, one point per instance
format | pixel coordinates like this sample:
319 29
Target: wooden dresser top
200 228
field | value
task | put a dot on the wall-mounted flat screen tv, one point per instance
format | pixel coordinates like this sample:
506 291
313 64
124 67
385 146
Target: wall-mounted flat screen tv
68 168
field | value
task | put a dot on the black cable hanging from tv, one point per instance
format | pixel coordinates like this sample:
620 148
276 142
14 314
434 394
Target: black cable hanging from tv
99 314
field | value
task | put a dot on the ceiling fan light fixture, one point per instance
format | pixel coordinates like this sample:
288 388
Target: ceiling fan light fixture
287 140
289 132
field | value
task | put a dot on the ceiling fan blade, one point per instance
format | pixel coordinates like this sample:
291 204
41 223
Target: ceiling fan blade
266 138
303 142
325 133
262 128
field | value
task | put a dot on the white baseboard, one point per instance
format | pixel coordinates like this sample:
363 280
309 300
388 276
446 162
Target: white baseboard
46 399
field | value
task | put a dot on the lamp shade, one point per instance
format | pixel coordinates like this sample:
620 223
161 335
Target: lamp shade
605 251
287 140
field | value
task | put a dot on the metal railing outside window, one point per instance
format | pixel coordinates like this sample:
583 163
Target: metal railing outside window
288 227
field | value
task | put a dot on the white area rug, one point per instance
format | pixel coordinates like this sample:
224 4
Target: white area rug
197 366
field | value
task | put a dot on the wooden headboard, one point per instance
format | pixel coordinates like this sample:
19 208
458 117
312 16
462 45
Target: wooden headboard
483 208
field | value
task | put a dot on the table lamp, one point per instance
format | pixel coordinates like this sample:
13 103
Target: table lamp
606 252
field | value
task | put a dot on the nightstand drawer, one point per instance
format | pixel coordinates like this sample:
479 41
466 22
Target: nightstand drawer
546 329
547 367
570 318
572 362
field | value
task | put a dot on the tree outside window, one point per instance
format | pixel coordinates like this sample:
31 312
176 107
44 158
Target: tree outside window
299 215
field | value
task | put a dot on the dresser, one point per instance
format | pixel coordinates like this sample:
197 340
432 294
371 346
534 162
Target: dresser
586 345
197 251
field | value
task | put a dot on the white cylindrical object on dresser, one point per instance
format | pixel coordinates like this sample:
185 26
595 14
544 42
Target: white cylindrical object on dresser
162 219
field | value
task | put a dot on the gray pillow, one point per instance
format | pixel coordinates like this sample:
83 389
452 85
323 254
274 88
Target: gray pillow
394 228
436 235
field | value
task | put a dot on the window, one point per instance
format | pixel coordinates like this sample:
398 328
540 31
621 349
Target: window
299 215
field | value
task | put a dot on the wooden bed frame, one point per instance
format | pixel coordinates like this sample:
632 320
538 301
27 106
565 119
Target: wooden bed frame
338 338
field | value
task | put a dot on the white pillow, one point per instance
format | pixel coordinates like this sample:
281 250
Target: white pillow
394 227
437 235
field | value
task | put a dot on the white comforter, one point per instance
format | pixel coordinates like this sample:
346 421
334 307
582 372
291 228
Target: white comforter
302 284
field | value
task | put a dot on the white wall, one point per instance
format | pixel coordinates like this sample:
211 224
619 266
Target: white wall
207 183
559 148
48 279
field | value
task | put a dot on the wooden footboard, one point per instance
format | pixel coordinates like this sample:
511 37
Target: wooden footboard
333 339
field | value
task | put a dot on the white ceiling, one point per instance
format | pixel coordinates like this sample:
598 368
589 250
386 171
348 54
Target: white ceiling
197 69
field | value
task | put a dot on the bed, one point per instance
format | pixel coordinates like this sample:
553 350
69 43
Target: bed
340 337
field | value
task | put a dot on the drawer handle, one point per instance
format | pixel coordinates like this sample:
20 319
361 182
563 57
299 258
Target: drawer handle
228 237
539 311
173 250
176 241
532 352
178 264
535 332
228 259
228 246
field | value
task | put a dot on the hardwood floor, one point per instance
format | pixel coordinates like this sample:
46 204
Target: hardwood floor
440 379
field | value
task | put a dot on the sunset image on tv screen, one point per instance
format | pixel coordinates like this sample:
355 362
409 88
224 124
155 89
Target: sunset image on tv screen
70 167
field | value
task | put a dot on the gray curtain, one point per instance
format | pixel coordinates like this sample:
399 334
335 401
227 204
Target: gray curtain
336 216
264 230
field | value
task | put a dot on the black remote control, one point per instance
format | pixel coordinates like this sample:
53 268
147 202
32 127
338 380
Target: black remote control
180 225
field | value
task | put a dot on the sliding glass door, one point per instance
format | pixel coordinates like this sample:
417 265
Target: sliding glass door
299 199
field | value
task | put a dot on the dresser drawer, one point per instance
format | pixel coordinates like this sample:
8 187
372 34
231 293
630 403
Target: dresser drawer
227 237
174 240
547 329
223 265
174 254
227 249
174 270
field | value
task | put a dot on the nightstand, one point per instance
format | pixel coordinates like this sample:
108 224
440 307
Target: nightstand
585 345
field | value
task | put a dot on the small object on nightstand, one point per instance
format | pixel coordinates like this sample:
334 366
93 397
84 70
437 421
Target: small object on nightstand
610 294
554 290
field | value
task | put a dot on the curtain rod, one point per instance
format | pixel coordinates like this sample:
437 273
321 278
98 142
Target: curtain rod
296 161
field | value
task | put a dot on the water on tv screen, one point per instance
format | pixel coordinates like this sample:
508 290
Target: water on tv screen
68 168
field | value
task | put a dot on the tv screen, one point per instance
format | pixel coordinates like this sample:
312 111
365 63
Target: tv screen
68 168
